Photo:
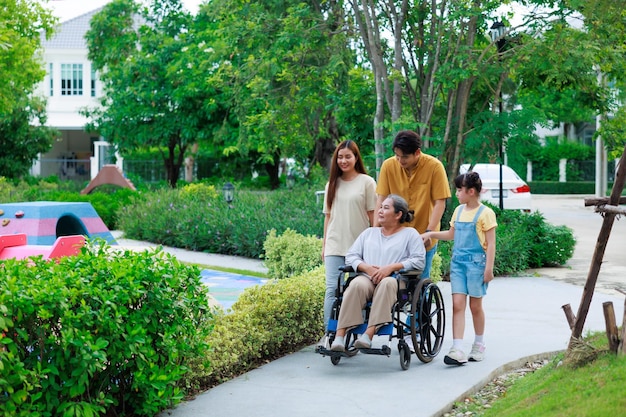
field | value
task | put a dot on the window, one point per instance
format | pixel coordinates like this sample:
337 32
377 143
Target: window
51 75
93 81
71 79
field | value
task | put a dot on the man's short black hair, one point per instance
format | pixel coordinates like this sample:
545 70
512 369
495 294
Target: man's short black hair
407 141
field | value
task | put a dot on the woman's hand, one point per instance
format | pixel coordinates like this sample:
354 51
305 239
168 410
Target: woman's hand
381 273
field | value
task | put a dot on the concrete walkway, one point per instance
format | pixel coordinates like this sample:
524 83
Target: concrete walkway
525 321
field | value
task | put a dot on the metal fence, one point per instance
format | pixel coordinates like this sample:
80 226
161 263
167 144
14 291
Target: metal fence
65 169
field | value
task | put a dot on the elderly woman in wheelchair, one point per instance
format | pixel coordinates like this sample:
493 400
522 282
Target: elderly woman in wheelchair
376 255
384 265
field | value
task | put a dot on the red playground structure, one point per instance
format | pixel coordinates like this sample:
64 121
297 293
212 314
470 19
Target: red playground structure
15 247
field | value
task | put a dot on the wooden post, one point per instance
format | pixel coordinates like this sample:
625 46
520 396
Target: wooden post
569 315
611 326
598 255
621 349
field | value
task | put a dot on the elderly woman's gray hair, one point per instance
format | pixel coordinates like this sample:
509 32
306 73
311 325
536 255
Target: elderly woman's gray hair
400 205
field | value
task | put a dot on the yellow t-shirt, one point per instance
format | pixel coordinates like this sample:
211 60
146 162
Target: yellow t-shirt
428 182
486 221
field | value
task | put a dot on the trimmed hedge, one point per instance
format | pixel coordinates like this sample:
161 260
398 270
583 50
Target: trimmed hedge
100 333
266 322
570 187
206 223
291 253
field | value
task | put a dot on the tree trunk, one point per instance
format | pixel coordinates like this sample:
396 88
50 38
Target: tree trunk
272 171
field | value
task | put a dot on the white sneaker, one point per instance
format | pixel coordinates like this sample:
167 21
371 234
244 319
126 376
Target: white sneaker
455 357
338 344
477 353
363 342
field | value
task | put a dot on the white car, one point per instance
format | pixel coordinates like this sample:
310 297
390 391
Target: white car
515 192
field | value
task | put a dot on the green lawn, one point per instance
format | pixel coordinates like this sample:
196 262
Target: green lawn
596 387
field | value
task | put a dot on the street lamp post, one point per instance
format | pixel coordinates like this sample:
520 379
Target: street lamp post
229 193
497 35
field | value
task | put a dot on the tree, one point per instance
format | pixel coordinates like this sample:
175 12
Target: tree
604 23
284 66
152 97
23 134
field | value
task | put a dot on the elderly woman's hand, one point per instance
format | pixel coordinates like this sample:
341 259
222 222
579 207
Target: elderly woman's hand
382 273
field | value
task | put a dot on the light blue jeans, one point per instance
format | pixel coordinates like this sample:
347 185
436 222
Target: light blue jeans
429 261
332 265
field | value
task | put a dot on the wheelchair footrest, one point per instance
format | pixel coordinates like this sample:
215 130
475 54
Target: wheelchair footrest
322 350
383 350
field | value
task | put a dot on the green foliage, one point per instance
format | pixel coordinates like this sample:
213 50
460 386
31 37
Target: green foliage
153 96
101 333
556 187
23 131
266 322
436 269
283 68
546 158
291 253
177 219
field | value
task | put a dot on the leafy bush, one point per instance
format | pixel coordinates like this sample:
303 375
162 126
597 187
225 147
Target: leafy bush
266 322
291 253
175 218
101 333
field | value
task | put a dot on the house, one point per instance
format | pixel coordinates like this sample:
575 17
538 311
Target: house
71 83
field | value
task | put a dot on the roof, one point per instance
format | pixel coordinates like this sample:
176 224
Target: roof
71 33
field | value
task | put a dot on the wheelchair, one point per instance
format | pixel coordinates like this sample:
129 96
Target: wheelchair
418 311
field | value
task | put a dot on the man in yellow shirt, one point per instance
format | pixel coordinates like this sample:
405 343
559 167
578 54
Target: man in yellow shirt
421 180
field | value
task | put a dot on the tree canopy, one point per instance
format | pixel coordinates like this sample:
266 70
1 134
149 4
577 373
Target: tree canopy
152 95
264 81
23 134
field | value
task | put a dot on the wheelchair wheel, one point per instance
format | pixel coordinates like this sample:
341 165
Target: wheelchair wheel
405 356
428 319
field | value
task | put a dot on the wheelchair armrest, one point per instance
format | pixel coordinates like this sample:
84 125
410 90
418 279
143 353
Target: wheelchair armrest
410 273
346 268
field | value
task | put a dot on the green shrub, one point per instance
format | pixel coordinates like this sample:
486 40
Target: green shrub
176 218
101 333
266 322
291 253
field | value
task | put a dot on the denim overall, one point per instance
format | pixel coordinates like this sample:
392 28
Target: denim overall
467 268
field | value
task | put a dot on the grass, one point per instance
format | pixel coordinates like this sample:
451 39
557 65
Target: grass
573 385
232 270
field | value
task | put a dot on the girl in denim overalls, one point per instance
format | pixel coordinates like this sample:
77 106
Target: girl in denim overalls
473 229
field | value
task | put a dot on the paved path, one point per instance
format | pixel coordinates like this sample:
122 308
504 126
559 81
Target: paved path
570 211
524 321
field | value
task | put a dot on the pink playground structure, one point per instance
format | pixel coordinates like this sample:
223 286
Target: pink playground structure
15 247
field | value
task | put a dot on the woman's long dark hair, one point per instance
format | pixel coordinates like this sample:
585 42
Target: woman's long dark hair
335 172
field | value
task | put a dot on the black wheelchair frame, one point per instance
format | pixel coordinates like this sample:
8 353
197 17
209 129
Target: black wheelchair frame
418 311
